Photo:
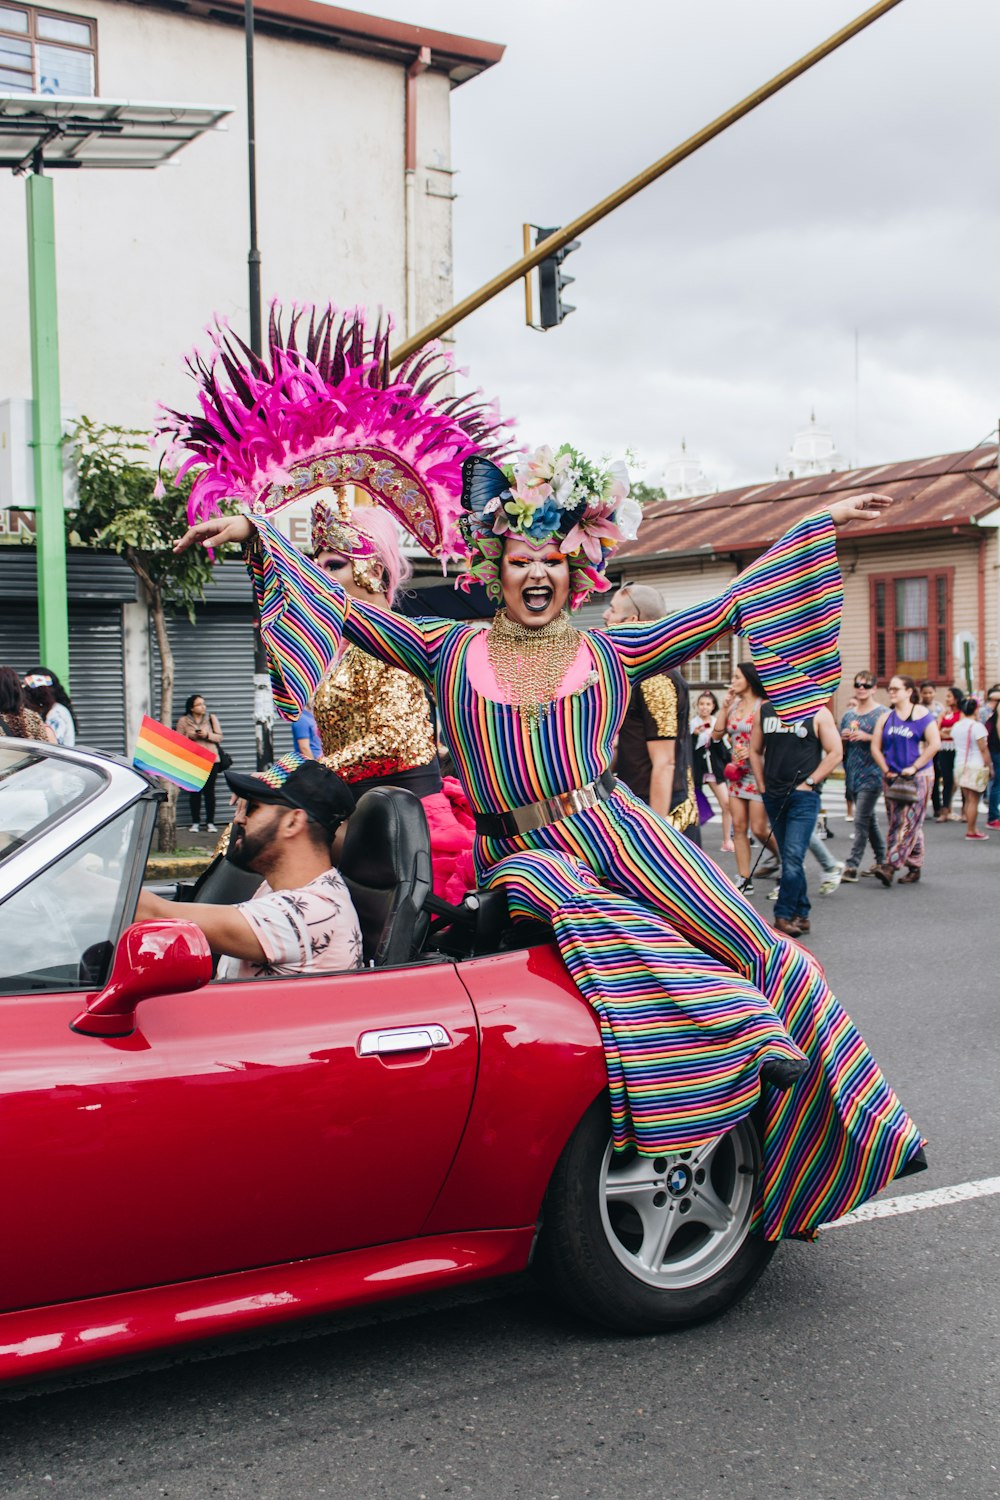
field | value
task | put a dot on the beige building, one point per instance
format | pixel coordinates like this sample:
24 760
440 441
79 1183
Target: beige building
921 581
355 181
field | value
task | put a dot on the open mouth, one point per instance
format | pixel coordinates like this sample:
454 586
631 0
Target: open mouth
536 600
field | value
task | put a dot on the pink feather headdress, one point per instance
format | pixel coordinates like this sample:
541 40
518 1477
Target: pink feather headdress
331 413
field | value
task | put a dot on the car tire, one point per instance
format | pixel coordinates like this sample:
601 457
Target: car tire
643 1244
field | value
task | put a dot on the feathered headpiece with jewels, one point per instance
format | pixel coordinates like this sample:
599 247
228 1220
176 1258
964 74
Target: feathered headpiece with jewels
545 496
324 410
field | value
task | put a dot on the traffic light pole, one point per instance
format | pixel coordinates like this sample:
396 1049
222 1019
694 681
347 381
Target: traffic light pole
607 205
50 513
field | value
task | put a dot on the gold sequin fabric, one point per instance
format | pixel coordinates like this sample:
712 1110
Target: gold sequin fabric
373 719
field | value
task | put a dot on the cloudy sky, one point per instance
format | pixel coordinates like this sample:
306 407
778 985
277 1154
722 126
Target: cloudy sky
857 210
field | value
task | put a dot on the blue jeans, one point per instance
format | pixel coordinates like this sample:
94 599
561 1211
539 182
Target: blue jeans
792 822
993 808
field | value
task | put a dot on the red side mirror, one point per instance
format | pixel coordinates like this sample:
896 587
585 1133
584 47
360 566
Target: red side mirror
152 958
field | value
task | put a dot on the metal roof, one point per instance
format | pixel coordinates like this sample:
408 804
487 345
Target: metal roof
98 132
947 492
461 57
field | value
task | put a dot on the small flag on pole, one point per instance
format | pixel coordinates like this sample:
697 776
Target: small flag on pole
164 752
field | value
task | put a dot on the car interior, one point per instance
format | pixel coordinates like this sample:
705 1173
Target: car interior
386 865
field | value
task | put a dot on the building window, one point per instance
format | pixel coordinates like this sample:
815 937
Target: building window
911 625
712 668
42 52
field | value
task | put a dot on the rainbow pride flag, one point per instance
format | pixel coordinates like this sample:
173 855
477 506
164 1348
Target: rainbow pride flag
164 752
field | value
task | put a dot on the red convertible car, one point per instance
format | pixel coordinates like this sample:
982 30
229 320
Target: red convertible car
182 1158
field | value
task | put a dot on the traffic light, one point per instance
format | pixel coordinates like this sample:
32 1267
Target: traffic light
551 282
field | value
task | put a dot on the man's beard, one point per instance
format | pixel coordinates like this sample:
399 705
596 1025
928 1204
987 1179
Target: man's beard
244 849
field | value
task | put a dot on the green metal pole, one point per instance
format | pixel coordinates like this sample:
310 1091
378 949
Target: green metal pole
50 515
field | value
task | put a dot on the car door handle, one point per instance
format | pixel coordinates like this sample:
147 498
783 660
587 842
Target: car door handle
402 1039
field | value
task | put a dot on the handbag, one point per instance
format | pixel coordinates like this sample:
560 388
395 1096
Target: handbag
973 778
902 789
225 759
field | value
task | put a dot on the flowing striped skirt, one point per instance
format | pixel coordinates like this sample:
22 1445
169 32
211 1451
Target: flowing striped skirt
693 993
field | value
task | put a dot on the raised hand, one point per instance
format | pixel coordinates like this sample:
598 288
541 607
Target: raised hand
859 507
215 532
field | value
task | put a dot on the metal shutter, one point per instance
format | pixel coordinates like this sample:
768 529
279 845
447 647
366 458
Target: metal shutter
214 657
97 665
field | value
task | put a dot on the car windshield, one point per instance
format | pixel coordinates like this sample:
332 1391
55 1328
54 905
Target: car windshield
36 791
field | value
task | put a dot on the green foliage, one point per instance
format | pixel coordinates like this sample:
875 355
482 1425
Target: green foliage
645 494
122 507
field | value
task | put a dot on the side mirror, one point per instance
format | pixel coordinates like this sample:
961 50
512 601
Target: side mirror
152 958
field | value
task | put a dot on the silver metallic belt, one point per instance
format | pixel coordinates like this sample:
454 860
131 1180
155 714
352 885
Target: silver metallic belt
533 815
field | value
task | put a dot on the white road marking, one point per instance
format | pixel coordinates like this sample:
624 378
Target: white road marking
910 1203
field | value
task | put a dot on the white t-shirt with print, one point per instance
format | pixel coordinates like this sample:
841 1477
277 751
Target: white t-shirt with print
311 930
969 738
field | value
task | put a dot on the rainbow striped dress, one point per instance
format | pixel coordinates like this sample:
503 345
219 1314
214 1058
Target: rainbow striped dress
693 991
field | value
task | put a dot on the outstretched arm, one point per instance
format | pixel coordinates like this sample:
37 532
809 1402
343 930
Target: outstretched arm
787 604
305 615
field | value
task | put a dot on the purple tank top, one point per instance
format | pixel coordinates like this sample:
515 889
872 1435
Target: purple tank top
901 739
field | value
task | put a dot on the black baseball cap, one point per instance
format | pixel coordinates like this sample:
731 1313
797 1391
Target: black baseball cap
294 781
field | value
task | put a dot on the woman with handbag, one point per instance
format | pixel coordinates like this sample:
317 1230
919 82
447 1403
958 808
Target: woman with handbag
972 763
904 744
198 724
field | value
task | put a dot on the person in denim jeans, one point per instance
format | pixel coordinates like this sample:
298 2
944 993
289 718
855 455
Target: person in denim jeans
992 722
789 761
863 777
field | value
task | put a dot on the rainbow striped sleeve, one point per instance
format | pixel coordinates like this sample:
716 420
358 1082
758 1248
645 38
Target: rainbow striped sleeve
787 604
305 615
164 752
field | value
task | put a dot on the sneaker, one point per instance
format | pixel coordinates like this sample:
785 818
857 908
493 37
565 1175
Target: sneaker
832 881
993 823
772 894
211 828
848 817
746 887
977 835
850 874
194 828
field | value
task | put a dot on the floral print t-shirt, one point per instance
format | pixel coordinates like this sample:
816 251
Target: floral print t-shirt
312 930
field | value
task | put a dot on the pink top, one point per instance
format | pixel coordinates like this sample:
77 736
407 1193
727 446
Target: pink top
312 930
484 679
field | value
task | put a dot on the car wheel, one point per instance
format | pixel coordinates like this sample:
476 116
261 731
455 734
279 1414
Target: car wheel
642 1244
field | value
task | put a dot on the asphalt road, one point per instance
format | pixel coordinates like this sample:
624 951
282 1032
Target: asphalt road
867 1364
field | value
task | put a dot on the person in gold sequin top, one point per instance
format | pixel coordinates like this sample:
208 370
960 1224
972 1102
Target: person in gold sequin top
374 720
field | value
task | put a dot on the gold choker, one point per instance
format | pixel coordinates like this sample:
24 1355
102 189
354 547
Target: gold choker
530 661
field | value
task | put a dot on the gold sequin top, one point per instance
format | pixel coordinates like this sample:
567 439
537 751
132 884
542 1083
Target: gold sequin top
373 719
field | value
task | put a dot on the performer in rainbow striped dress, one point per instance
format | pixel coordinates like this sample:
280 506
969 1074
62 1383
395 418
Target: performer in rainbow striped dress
702 1007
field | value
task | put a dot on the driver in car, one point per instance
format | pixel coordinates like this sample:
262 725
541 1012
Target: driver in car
301 920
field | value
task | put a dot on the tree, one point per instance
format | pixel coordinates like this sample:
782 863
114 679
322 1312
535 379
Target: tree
123 507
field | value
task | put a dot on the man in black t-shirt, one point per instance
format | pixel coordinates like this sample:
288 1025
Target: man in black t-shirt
789 762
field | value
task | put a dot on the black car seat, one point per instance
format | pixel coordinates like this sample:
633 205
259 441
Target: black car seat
386 864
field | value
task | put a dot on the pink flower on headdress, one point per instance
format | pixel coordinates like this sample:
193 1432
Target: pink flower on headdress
594 525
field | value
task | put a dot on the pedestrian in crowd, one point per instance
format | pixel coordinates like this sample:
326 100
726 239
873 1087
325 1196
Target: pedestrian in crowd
852 704
789 761
929 700
833 870
993 748
990 702
204 728
711 757
736 719
301 920
904 745
47 696
305 735
973 763
16 718
943 791
655 756
863 778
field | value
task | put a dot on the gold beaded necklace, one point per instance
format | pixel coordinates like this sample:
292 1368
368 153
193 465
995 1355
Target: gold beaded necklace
530 661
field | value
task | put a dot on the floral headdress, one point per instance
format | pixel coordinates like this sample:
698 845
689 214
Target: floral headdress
560 497
331 531
324 410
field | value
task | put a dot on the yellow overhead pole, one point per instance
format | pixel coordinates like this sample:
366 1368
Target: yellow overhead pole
629 189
